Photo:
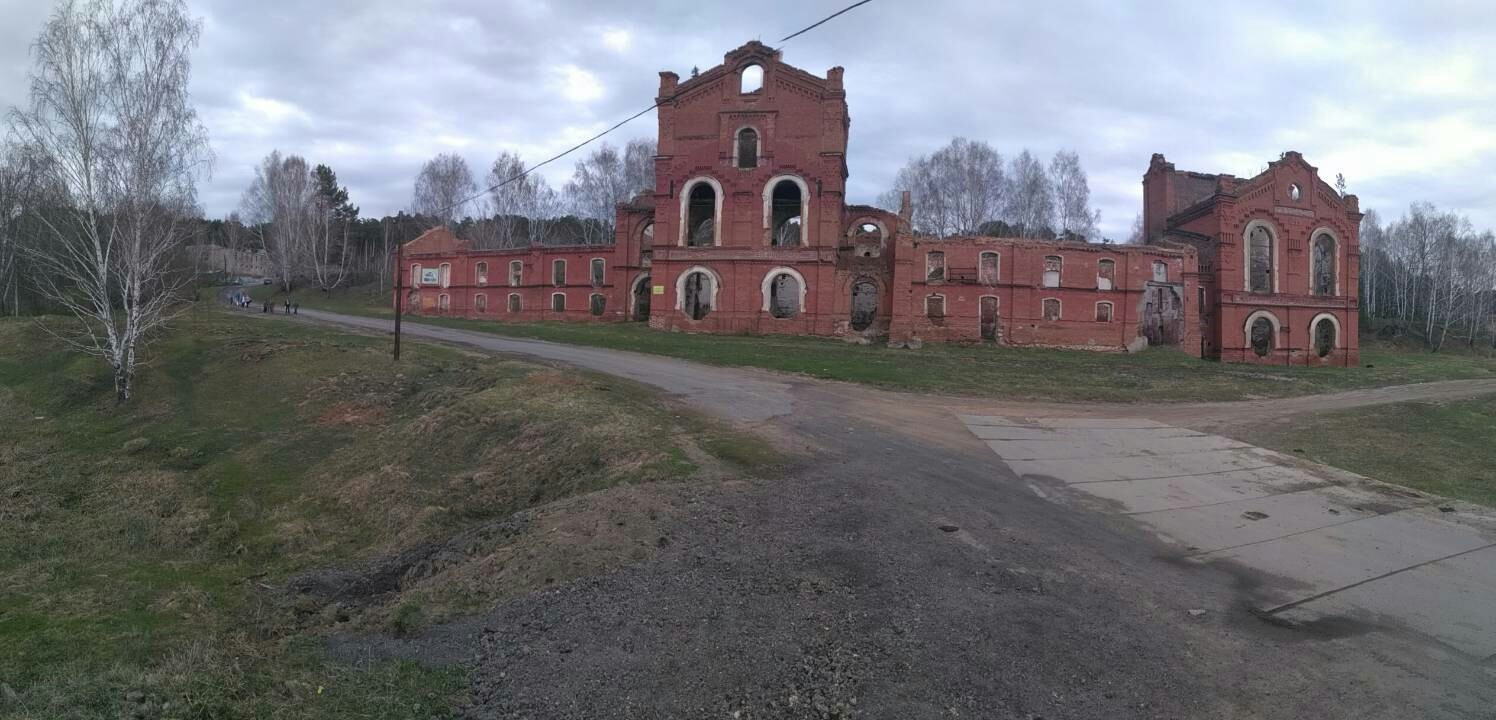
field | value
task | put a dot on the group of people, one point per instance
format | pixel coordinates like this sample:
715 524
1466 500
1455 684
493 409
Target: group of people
291 308
243 300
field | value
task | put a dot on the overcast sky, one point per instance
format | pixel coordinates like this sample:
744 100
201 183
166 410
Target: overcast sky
1399 96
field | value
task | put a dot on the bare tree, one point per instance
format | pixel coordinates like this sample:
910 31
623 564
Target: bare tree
110 114
21 189
1031 202
546 208
1077 221
1429 274
606 178
639 167
443 189
511 199
956 190
280 205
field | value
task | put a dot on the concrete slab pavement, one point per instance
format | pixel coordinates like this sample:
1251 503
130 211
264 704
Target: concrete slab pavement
1330 543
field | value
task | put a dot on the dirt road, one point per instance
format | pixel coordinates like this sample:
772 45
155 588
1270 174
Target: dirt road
898 569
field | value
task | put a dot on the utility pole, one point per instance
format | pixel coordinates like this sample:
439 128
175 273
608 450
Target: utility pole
399 299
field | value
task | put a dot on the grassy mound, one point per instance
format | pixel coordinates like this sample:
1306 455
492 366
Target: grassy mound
276 484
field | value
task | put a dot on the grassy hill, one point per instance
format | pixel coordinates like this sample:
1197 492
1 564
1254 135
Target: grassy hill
275 485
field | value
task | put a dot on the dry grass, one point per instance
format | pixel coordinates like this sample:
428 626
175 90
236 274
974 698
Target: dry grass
278 457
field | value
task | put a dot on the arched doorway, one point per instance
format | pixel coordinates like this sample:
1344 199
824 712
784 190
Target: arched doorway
641 299
864 304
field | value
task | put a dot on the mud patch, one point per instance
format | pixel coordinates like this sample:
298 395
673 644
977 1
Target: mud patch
352 413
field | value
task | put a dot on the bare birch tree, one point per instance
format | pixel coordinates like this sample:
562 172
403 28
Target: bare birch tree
1430 275
110 114
1077 221
442 189
1031 202
279 204
956 190
606 178
511 203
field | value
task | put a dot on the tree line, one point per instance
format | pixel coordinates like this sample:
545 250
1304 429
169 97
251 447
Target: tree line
968 188
303 219
1429 275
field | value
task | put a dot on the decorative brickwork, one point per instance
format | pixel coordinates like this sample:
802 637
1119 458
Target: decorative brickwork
747 231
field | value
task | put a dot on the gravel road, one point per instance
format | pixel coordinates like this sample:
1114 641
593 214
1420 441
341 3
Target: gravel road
896 571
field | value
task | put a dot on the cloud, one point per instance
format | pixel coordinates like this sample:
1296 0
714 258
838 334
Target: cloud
617 40
577 84
1400 97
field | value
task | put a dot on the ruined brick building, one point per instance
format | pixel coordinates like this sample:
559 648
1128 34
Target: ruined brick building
747 230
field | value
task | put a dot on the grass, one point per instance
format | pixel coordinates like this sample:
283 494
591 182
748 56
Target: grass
146 551
1155 375
1441 448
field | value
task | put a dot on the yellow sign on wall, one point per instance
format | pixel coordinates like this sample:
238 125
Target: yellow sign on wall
658 290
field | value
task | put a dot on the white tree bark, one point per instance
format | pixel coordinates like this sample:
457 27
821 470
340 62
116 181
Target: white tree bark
110 113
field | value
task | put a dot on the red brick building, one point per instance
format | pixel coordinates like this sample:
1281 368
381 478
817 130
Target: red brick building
1278 254
747 230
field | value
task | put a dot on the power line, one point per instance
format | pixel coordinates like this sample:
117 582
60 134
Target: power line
824 20
629 119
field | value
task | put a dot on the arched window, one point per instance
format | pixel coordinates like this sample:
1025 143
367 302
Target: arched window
514 303
700 228
1106 273
558 302
516 273
597 303
784 293
751 79
866 239
480 303
413 301
446 274
1323 271
482 273
599 271
746 152
1051 309
1103 312
444 302
1160 271
988 267
935 307
934 266
1324 336
558 272
1053 264
415 275
1262 336
646 245
1294 193
698 291
1259 259
786 213
864 304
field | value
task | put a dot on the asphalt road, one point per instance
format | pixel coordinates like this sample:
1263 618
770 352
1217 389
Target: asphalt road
900 569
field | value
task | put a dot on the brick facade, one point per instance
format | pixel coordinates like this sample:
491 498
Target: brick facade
1305 235
747 231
